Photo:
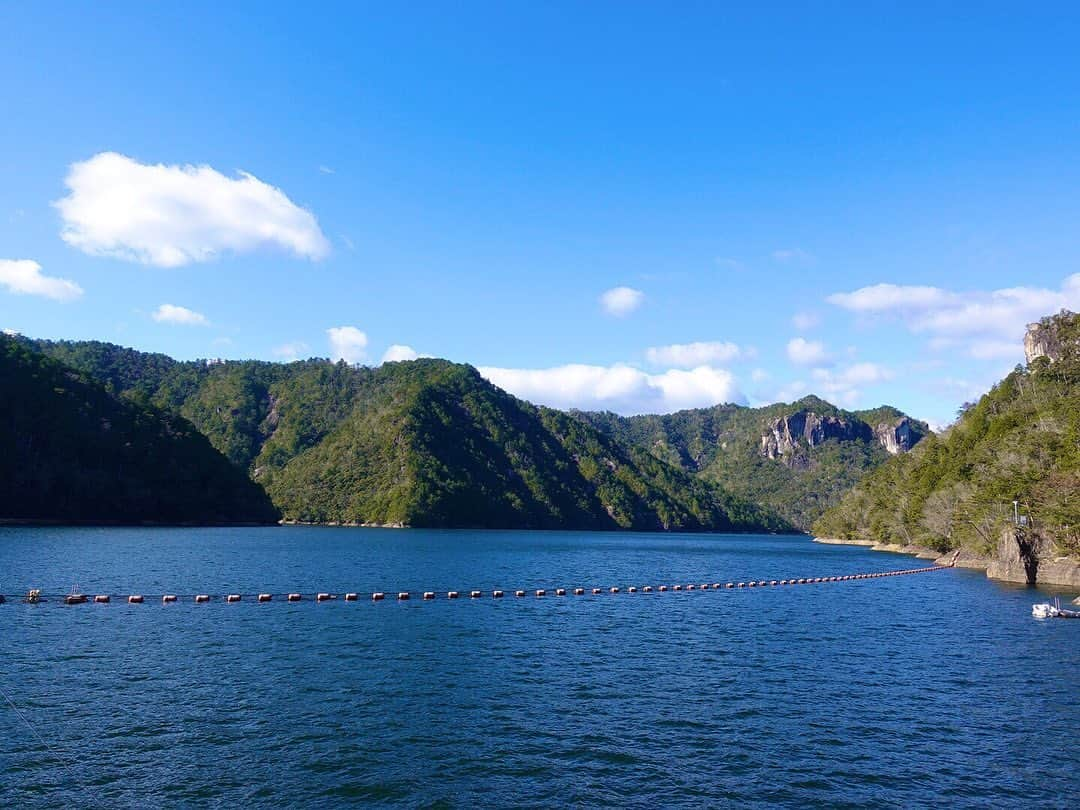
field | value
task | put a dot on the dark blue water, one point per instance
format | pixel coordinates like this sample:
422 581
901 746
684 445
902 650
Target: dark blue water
936 688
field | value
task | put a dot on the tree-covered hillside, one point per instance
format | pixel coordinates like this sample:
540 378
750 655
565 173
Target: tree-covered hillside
70 450
422 443
799 480
1020 442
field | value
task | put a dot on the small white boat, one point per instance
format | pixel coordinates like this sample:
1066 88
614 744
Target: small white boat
1044 610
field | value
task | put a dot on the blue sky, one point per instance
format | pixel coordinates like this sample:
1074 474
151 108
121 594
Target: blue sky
867 202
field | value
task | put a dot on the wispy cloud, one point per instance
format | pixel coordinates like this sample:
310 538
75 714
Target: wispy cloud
24 277
172 215
325 170
804 321
621 301
182 316
293 350
791 255
691 355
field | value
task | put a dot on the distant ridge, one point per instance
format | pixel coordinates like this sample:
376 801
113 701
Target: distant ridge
797 459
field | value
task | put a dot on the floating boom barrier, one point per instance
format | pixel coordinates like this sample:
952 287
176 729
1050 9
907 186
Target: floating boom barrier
75 598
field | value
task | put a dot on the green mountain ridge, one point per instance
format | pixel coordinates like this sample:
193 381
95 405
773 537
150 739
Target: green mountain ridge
1020 442
726 445
421 443
70 450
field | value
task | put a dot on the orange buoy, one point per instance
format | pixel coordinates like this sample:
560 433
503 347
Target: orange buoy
378 596
741 585
773 582
751 584
475 594
647 589
264 597
294 597
631 589
202 597
403 595
351 597
429 594
560 591
452 594
676 587
662 588
323 597
101 599
689 587
496 594
613 590
232 597
135 599
579 591
705 586
729 584
168 599
716 586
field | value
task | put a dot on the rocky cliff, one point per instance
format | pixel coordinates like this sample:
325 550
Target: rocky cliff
1049 338
899 436
788 434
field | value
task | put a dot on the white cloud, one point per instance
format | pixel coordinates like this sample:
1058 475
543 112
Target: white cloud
986 322
24 277
805 352
692 355
398 353
805 320
171 215
10 332
325 170
170 313
621 301
347 343
788 255
759 375
618 388
293 350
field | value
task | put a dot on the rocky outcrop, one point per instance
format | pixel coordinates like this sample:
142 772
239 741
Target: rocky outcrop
899 436
788 434
1030 559
1045 339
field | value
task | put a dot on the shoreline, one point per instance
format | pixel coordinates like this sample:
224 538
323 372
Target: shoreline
1060 572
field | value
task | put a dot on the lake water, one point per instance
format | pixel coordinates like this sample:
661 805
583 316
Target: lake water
937 688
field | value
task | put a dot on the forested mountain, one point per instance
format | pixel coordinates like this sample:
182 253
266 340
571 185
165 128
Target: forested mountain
797 459
70 450
422 443
1020 442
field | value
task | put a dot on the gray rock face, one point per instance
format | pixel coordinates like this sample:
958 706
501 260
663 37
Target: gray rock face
1031 560
806 429
1043 339
784 435
898 437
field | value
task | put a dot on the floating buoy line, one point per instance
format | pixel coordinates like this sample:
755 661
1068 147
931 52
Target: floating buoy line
76 597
